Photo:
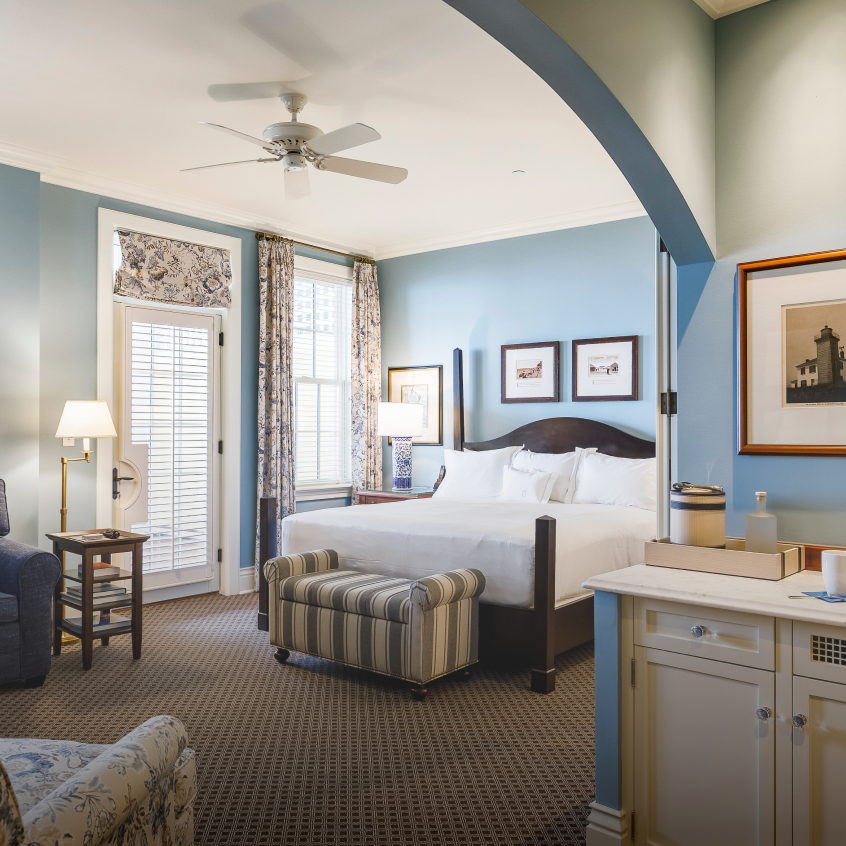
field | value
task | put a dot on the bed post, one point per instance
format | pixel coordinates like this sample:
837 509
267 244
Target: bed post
543 624
267 550
457 400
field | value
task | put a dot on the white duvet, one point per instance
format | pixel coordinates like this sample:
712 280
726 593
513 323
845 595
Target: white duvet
416 538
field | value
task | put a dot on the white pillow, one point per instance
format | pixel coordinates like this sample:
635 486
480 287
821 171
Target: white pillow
564 464
607 480
526 485
474 474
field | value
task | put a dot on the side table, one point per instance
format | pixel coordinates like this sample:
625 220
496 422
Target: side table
372 497
105 548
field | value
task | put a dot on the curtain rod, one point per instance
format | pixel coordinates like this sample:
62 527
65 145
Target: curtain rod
269 237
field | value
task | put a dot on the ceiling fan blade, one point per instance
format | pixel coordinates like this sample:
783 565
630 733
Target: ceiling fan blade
267 145
364 170
296 184
224 164
344 138
247 91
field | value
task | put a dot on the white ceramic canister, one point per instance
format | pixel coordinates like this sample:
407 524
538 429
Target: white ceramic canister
834 571
698 515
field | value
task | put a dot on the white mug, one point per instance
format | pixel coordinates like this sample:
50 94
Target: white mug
834 571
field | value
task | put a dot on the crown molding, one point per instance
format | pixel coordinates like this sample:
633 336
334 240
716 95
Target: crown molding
606 214
23 157
721 8
166 201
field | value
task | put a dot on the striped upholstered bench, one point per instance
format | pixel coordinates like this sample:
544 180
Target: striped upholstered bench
413 630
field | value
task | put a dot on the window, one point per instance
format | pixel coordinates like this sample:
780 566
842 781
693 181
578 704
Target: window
812 368
802 371
321 360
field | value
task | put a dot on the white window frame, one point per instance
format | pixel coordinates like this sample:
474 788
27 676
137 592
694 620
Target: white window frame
232 580
335 274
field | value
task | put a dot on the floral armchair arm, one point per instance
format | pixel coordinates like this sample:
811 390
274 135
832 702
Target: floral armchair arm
130 784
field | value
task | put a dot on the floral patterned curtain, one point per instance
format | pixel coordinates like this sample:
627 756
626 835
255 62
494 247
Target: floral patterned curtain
166 271
276 383
366 391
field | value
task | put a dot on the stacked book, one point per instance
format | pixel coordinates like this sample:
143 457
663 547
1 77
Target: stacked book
100 569
105 593
108 621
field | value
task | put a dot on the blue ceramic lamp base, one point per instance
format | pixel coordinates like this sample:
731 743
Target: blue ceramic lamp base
401 458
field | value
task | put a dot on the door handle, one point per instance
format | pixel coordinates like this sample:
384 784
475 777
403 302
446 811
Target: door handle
116 480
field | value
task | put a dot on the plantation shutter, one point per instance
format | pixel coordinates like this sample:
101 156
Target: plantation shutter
171 409
321 363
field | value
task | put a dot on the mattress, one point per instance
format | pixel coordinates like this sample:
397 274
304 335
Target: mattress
417 538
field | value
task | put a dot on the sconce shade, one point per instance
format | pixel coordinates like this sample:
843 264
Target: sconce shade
86 419
400 419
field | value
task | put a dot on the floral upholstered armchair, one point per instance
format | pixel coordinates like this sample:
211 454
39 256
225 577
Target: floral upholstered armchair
136 792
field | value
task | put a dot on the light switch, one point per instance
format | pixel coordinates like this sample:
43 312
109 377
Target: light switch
68 442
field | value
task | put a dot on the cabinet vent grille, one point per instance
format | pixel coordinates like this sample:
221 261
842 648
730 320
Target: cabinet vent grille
828 650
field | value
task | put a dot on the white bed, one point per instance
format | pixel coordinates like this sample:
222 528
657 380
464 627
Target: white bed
416 538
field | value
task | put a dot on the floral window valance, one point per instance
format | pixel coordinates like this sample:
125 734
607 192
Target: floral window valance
177 272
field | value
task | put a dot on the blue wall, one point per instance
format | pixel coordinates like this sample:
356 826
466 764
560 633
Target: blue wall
594 281
68 316
781 190
19 348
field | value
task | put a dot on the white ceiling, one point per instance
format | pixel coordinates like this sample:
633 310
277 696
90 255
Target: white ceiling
107 95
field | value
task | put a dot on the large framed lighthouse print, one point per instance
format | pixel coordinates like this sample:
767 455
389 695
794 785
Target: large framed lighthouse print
790 354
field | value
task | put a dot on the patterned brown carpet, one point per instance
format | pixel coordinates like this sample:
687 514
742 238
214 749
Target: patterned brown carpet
314 753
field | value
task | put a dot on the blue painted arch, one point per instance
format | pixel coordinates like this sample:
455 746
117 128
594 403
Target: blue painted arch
554 61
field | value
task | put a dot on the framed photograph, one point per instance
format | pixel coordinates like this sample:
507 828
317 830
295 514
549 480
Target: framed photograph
424 386
530 372
605 369
791 369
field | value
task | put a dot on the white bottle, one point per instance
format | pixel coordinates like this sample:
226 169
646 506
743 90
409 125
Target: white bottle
761 529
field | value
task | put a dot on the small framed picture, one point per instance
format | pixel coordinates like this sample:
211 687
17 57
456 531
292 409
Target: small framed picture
530 372
790 357
424 386
605 369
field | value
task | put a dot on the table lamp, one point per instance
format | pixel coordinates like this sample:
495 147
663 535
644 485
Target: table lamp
86 420
401 421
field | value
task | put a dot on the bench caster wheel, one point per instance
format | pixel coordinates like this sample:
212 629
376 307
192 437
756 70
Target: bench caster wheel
466 675
282 655
419 692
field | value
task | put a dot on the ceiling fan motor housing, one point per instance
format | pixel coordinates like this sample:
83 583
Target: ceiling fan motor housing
291 135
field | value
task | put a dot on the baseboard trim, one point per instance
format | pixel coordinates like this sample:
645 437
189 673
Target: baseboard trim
246 580
607 826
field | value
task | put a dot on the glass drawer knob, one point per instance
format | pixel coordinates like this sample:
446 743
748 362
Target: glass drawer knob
799 720
697 631
764 714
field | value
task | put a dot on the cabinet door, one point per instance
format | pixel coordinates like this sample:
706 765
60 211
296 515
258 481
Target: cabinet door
819 763
704 768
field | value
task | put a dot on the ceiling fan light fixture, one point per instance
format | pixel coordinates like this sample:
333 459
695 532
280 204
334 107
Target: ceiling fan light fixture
294 162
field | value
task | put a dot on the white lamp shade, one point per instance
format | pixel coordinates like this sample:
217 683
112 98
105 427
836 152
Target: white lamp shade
82 419
400 419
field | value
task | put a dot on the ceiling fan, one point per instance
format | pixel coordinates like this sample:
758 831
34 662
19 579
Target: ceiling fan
297 144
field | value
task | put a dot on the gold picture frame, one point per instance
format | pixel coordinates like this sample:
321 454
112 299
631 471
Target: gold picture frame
423 385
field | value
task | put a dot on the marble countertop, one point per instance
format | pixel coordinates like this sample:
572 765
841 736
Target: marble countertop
754 596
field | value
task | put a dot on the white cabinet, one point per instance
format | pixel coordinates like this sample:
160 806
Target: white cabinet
738 728
819 763
704 762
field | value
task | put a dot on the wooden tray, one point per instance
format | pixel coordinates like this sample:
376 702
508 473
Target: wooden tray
731 561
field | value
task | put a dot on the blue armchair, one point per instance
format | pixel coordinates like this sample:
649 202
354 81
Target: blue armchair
27 578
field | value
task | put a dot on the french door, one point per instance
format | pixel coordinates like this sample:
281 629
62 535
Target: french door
167 366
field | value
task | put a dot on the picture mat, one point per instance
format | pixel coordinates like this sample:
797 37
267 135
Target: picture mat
521 388
769 420
428 378
604 385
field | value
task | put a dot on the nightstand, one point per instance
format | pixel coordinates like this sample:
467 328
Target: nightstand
75 543
390 495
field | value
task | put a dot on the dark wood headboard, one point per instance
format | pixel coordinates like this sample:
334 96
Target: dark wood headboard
555 434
